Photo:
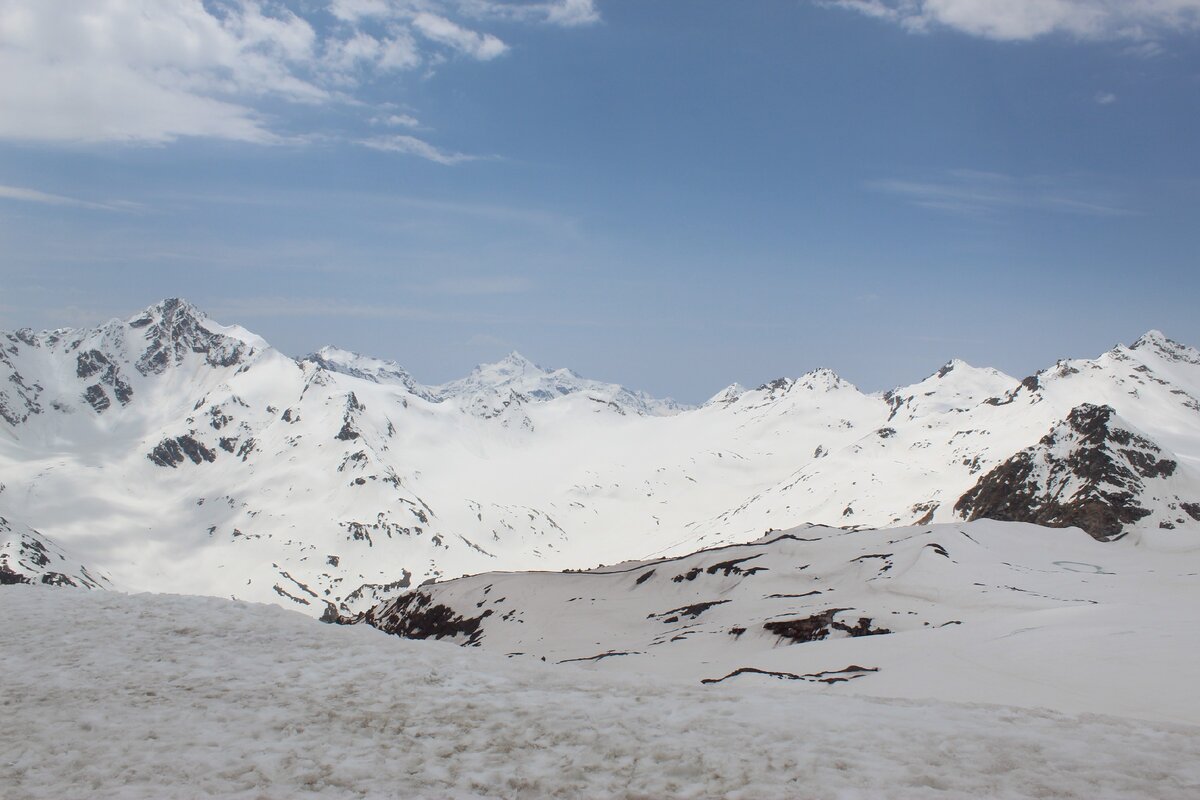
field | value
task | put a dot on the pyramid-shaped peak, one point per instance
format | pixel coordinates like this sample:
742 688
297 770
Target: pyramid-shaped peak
516 359
169 310
728 395
513 364
1155 341
1151 337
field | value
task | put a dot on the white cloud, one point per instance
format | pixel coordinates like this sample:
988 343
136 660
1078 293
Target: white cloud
411 145
401 121
572 12
1017 20
1105 98
345 55
482 46
151 71
354 10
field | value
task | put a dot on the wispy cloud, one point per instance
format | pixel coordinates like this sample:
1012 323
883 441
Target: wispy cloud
1138 21
976 192
411 145
150 72
45 198
1105 98
436 28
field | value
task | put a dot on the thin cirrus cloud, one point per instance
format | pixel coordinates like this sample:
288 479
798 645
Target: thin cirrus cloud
1138 21
977 193
25 195
411 145
151 72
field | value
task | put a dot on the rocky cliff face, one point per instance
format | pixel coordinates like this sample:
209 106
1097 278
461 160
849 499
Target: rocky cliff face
1091 471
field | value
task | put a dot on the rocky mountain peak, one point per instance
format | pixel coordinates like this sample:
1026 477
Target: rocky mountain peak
821 378
1092 471
1156 341
173 328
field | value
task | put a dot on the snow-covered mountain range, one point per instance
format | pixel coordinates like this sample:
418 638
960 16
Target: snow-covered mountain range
167 452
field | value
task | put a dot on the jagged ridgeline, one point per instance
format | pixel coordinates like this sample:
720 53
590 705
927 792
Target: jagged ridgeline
168 452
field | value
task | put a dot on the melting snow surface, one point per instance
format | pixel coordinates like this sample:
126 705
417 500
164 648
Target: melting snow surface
116 696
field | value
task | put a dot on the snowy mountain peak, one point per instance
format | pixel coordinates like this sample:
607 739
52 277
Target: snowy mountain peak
513 367
955 386
490 383
950 366
728 395
375 370
516 362
174 329
171 311
821 379
1157 342
1152 338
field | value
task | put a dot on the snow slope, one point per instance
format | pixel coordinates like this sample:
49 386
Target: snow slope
175 454
28 557
1000 612
182 697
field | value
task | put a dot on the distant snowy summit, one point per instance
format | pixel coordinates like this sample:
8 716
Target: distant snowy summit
514 376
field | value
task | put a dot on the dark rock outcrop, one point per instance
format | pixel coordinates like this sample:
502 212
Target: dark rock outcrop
416 616
173 452
819 626
1089 471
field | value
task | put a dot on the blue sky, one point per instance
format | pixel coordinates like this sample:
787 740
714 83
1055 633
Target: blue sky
674 194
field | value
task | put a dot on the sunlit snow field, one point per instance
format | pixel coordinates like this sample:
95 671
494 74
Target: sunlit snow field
117 696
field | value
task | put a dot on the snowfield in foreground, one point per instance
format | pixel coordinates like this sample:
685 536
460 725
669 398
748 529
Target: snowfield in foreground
152 696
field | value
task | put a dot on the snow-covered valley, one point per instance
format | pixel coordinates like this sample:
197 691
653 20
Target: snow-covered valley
171 453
